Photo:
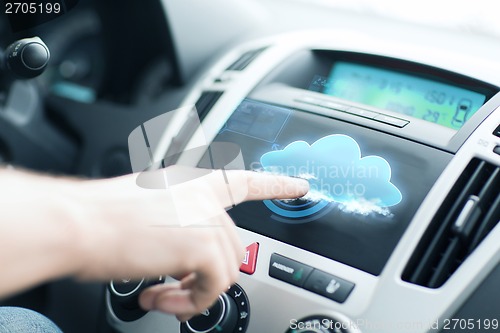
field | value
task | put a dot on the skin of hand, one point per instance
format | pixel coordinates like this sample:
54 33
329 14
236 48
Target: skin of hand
110 229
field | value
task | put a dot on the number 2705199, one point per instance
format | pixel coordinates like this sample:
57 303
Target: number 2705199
32 7
470 324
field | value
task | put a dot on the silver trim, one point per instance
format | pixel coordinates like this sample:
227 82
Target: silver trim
112 286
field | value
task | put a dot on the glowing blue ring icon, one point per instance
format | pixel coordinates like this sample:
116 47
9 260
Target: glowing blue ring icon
295 214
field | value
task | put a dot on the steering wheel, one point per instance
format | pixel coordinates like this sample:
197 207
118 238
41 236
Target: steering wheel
48 132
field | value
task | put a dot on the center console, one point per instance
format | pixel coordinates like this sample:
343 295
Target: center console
402 155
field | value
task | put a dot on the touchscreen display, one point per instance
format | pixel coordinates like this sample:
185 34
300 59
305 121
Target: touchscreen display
436 102
365 185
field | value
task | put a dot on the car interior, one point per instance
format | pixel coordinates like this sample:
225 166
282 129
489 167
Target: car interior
391 111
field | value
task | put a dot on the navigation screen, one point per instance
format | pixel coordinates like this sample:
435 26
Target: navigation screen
421 98
365 185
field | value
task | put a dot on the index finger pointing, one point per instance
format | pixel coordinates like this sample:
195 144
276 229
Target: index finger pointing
236 186
263 186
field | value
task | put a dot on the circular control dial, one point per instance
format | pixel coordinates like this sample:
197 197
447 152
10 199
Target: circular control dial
230 313
124 297
219 318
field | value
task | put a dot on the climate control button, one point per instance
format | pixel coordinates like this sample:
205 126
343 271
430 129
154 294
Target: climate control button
329 286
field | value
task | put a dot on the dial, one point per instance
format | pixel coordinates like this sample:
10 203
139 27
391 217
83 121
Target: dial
124 297
229 314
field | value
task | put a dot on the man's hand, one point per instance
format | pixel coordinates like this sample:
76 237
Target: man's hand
182 231
110 229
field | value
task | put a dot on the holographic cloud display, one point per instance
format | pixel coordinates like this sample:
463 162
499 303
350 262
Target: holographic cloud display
336 171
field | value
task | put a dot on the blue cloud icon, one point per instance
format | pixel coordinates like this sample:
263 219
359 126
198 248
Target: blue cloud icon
336 171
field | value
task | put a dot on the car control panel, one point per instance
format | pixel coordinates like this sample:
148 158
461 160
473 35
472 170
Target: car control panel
402 153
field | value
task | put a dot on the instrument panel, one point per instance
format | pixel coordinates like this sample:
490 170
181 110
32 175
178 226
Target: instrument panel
382 139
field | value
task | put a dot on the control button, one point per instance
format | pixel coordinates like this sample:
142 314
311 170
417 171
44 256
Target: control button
496 132
362 113
27 58
329 286
391 120
35 56
496 150
125 287
249 263
288 270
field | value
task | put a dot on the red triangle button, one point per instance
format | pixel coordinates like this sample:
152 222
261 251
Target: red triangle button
250 261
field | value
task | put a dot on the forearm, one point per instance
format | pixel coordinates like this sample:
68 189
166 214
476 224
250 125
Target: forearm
38 231
54 227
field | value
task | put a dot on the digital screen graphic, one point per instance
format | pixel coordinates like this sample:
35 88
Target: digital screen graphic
257 121
365 185
336 172
422 98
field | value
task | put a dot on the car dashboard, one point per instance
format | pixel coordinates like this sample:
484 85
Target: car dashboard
395 125
402 155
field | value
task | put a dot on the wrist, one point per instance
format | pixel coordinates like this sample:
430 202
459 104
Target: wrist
101 209
71 216
85 214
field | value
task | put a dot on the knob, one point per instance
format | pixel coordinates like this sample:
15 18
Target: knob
220 318
27 58
126 292
124 297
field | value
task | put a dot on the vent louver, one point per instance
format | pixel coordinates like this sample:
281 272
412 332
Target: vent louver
206 101
468 214
245 60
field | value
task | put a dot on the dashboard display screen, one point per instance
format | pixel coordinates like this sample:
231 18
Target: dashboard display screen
436 102
365 185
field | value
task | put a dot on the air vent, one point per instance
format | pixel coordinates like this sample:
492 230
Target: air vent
245 60
469 213
206 101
